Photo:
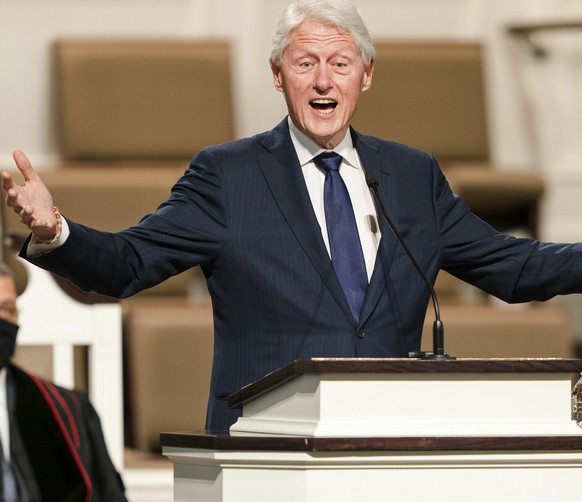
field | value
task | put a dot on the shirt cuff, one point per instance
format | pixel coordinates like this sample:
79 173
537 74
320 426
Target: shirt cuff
36 248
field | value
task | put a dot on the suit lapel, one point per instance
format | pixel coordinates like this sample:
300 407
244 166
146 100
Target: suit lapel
281 169
282 172
369 153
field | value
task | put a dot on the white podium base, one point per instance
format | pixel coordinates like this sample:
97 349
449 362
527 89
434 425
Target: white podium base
421 404
235 476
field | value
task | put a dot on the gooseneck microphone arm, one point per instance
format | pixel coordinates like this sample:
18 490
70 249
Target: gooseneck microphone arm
438 332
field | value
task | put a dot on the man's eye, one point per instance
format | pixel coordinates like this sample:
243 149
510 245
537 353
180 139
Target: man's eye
342 68
303 66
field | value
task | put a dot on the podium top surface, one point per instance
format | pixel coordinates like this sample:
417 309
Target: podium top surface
395 365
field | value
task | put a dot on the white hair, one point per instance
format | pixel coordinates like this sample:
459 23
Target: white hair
341 13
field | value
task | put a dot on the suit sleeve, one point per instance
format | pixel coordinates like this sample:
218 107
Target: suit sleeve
188 229
510 268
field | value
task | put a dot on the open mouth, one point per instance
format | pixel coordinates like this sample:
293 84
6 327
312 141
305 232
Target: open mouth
323 105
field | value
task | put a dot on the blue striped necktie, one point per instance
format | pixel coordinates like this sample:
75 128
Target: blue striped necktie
344 241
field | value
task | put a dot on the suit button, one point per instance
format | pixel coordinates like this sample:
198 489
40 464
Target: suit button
361 334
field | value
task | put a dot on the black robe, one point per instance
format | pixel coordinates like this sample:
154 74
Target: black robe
58 451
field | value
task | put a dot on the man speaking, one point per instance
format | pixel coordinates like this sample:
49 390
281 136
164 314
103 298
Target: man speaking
283 225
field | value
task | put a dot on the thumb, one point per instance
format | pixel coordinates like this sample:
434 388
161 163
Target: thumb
24 165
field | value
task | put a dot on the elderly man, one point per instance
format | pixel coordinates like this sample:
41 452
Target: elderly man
283 224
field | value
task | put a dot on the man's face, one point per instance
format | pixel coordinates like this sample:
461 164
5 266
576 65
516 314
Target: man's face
8 299
322 76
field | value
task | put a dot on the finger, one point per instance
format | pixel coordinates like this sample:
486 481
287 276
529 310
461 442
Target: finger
26 214
24 165
12 200
7 181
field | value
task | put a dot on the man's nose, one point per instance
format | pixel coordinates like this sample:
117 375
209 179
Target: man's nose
323 78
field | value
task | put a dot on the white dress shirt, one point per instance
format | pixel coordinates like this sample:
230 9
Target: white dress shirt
354 177
4 427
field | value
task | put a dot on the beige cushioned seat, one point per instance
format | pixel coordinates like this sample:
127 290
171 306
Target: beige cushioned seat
146 100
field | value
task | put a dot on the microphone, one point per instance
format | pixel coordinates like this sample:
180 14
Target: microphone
438 330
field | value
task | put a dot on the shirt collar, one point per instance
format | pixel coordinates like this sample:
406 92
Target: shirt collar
307 149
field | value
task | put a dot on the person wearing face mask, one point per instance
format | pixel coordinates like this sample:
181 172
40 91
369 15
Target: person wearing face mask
52 445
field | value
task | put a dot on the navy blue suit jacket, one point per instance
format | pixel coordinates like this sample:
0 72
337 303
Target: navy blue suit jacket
243 213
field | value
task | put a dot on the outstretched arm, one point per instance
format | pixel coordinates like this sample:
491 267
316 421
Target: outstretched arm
32 201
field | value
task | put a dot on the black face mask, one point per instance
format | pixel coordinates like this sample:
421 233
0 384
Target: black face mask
8 332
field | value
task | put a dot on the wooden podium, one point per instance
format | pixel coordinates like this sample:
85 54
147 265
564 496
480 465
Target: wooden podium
392 429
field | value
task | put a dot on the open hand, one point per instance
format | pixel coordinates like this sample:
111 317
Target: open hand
32 201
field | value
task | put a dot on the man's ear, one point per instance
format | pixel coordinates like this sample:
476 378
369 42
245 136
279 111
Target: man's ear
367 80
276 70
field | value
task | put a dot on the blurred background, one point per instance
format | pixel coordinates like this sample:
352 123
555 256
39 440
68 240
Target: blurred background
110 100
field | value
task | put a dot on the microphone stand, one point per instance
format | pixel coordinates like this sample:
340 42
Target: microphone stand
438 330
